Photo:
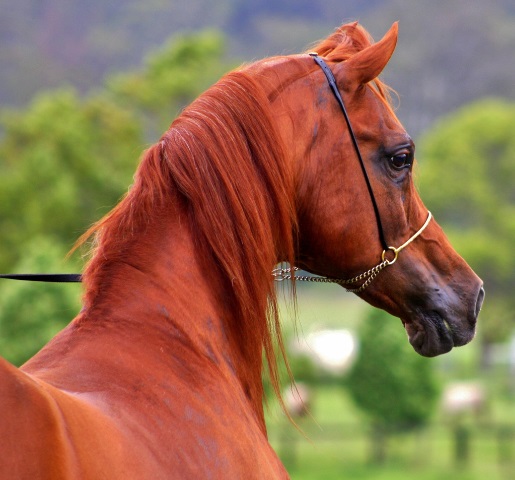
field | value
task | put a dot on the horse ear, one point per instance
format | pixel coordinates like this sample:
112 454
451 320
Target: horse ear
367 64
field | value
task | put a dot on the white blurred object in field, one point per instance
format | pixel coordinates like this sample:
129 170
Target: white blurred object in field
297 400
464 397
333 350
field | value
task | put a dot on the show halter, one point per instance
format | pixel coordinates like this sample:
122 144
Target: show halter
281 274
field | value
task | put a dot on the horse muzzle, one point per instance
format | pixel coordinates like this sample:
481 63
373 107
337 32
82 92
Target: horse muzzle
451 322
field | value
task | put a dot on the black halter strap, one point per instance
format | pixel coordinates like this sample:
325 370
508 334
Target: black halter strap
334 87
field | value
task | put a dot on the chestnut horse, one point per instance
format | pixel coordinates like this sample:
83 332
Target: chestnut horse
159 376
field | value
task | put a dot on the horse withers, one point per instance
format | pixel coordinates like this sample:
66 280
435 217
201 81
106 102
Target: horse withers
160 375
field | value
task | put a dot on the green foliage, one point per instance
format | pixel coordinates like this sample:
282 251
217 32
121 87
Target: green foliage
304 370
172 77
449 52
467 180
32 313
392 385
64 161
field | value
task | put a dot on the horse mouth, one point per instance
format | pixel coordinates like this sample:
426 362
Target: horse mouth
431 334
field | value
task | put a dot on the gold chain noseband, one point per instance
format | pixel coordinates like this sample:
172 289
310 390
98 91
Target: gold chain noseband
281 274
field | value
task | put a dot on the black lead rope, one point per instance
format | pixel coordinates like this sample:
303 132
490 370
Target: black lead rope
332 83
76 277
45 277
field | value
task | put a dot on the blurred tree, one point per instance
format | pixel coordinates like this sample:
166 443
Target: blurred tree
32 313
64 161
449 54
396 389
467 180
468 44
171 78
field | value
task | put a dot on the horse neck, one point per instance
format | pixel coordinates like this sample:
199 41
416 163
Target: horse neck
167 286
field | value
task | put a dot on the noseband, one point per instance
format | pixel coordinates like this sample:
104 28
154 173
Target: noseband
366 277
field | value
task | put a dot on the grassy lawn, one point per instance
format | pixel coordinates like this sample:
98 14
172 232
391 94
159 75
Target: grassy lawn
335 444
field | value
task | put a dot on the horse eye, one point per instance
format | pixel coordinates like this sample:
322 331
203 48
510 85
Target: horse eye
403 160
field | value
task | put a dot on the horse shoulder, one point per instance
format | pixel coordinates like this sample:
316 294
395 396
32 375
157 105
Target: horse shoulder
46 433
32 435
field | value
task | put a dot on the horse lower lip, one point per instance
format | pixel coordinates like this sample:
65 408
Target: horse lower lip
431 336
416 339
415 335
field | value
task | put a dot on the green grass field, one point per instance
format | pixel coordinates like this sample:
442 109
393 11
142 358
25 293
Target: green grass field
335 444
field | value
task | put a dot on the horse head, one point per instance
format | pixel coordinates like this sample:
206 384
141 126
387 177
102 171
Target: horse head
341 233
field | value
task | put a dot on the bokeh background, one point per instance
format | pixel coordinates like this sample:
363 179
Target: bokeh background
86 86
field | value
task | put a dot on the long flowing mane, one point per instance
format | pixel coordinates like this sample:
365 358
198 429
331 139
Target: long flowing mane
226 160
224 157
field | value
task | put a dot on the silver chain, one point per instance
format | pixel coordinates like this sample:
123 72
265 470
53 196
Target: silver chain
281 274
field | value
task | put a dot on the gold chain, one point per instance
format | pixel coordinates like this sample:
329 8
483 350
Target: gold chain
367 277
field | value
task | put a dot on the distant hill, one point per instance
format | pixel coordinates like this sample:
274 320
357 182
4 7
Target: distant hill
450 51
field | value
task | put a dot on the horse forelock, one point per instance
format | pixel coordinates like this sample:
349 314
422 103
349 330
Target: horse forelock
227 162
345 42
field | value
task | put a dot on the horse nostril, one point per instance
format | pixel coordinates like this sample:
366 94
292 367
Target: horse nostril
480 298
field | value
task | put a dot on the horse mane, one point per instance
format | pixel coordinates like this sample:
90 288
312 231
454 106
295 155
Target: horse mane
226 160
